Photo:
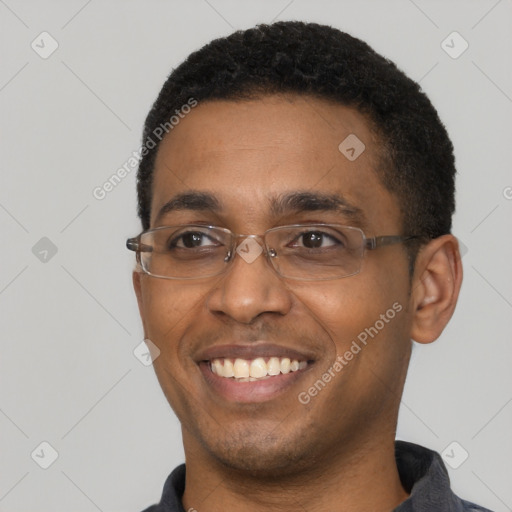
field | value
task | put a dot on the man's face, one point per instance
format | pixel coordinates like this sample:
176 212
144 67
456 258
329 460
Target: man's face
246 154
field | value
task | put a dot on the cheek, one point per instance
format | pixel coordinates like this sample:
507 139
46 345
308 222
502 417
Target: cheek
367 322
169 307
365 307
340 306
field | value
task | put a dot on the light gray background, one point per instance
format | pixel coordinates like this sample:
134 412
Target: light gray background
69 325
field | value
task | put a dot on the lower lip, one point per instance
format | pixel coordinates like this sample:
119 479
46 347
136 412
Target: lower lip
250 392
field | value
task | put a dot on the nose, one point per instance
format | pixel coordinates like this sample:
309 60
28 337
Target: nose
250 287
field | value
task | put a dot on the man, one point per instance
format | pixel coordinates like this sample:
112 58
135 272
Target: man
296 192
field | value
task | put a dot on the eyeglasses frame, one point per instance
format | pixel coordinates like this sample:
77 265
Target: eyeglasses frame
369 243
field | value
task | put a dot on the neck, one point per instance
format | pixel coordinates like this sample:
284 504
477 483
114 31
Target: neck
362 479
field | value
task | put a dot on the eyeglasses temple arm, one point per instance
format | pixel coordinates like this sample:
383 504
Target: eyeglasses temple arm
134 245
379 241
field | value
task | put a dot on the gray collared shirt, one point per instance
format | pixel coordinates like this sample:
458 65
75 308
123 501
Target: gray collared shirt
422 472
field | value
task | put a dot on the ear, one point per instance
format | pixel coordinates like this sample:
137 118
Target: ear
435 289
137 277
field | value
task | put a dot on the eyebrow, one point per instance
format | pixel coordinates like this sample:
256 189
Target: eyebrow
191 200
291 202
296 202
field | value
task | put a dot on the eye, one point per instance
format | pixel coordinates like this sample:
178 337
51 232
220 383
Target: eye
316 240
191 240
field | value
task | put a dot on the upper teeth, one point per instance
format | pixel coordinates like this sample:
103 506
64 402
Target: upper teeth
256 368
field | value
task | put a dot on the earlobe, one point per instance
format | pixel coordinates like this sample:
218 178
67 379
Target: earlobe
435 289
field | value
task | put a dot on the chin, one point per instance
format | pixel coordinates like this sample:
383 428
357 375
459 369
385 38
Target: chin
262 454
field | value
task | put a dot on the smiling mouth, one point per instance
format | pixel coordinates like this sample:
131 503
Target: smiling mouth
250 370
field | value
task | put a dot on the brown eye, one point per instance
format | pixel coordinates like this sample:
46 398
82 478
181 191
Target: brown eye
192 239
316 240
312 240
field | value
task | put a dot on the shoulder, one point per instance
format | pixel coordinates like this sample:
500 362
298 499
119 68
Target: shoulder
172 493
425 477
471 507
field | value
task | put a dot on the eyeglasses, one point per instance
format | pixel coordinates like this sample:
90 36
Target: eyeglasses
310 252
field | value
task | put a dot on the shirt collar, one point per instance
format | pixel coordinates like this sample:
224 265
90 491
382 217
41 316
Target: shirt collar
422 473
424 476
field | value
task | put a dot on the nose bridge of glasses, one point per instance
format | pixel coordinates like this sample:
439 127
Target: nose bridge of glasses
249 247
237 236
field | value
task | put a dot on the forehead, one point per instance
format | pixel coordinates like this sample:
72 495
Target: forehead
246 153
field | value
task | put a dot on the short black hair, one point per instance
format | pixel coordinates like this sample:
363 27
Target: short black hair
418 164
